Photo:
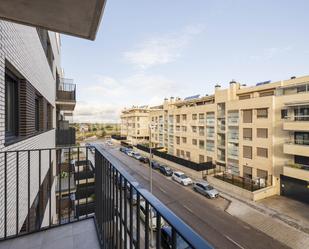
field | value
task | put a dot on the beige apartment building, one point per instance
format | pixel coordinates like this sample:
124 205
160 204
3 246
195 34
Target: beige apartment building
259 132
135 124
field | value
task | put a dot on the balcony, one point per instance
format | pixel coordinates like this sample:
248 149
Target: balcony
66 94
66 137
297 171
296 148
96 216
79 19
296 123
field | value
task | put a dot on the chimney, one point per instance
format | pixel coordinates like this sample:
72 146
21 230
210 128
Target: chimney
217 86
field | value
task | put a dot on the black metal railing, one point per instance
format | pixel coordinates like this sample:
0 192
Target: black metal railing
66 90
125 223
66 137
126 215
244 182
31 179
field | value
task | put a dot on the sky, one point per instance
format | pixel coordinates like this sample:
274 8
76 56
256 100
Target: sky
146 51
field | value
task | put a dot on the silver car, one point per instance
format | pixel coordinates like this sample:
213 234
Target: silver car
205 189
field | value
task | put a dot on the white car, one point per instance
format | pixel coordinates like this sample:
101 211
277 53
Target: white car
181 178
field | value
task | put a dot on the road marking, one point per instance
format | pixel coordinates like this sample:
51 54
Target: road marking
162 190
189 209
234 242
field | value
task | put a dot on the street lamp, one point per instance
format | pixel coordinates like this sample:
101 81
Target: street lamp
151 127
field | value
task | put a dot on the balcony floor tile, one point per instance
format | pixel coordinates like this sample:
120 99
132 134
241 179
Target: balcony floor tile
77 235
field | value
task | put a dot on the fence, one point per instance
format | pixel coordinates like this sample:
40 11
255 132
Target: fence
243 182
107 195
178 160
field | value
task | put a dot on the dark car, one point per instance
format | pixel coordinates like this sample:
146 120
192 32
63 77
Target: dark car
144 159
155 165
123 149
166 239
165 170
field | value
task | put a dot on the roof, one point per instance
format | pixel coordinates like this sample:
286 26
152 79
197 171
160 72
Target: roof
74 17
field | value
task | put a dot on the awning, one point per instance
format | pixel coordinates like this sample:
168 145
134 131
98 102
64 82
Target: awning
74 17
297 103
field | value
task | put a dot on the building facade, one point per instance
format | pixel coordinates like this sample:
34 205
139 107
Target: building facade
259 132
135 124
30 72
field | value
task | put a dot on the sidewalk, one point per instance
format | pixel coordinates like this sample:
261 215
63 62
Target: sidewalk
269 221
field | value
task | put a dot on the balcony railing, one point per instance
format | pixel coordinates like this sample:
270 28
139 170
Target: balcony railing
66 137
112 198
66 90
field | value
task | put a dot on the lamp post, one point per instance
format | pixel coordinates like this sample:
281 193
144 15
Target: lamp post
151 126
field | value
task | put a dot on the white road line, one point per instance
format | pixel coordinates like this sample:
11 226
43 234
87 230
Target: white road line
162 190
189 209
234 242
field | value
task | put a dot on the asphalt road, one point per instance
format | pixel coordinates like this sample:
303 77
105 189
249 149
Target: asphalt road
205 216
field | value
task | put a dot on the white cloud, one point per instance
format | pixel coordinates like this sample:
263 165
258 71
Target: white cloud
96 112
162 49
137 89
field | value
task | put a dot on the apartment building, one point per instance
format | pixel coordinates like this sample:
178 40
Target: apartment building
135 124
258 132
33 99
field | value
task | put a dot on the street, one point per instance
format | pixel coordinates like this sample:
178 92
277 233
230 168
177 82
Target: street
207 217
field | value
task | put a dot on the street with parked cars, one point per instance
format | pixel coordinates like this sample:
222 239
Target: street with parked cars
206 216
203 188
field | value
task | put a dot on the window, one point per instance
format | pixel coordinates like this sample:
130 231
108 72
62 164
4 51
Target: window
177 118
201 144
242 97
177 140
184 128
262 174
184 117
201 159
11 106
247 172
194 116
284 113
268 93
247 152
194 141
301 138
194 129
184 140
201 116
49 117
137 118
178 152
201 131
247 116
262 132
262 113
247 133
301 89
188 155
262 152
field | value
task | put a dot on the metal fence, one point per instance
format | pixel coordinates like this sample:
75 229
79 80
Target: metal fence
125 214
243 182
178 160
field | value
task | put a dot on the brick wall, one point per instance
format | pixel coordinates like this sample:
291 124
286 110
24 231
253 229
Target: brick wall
21 47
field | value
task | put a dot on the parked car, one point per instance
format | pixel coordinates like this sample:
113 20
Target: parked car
123 149
205 189
166 239
109 142
167 171
130 153
155 165
144 159
181 178
152 216
137 155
